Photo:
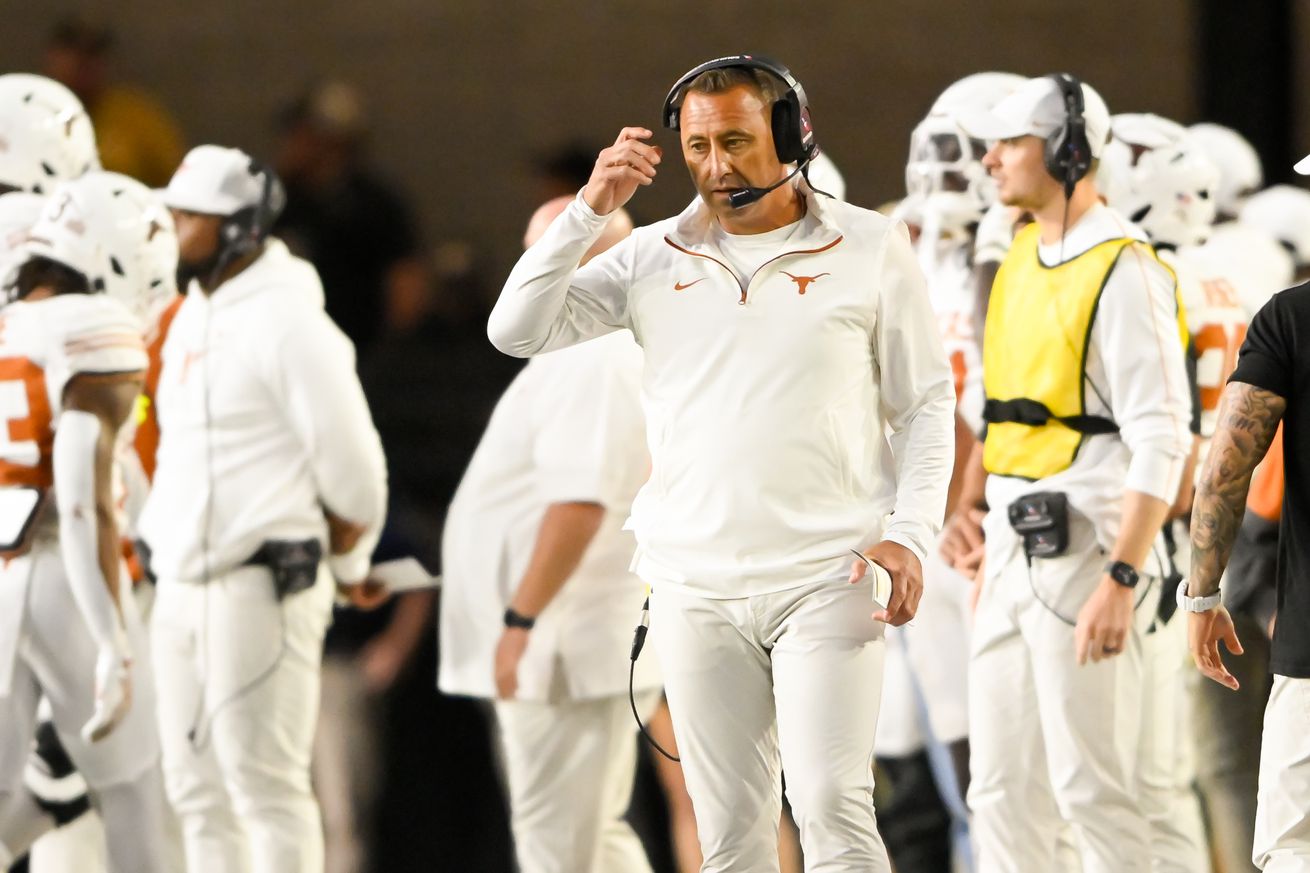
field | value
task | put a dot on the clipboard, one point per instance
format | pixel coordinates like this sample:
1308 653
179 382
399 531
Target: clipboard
404 574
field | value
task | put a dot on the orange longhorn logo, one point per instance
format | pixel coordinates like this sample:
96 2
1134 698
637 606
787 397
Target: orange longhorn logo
803 282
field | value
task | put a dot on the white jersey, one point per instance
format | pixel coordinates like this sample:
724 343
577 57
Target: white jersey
954 300
43 345
1257 264
1216 320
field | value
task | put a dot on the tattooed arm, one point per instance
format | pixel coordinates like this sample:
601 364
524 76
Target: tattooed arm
1248 418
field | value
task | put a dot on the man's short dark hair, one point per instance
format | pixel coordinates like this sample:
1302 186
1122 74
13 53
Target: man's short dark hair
717 81
39 272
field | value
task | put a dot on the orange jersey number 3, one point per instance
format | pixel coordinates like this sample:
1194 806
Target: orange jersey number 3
27 435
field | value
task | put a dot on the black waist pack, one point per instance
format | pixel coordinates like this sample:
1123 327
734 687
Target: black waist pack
1043 521
293 563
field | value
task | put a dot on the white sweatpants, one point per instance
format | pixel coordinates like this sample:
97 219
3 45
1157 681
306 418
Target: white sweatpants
1282 816
1052 742
53 654
570 768
759 685
239 671
1166 768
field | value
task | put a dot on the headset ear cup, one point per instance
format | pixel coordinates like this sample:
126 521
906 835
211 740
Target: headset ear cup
237 230
1054 157
786 130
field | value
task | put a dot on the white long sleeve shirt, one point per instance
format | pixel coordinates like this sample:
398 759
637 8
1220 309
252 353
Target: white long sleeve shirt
263 426
1136 375
768 404
568 429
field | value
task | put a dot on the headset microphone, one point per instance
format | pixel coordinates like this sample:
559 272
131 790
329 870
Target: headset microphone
744 197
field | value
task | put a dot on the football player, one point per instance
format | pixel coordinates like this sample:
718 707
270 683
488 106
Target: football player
1160 178
71 361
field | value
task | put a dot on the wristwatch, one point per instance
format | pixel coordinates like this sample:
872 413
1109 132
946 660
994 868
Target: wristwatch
515 619
1123 573
1197 604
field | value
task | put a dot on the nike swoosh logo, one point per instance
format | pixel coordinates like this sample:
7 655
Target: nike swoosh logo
681 287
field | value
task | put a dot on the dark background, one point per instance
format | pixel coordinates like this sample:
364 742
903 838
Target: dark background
464 97
463 94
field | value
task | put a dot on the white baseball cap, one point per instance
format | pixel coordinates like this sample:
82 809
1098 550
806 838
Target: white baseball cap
1303 166
1036 108
214 180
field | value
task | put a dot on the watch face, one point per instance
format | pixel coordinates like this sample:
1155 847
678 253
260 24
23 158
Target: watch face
1124 574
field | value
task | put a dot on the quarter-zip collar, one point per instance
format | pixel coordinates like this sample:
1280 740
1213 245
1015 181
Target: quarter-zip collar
692 229
692 235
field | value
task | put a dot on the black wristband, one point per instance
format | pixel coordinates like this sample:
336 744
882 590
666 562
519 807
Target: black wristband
514 619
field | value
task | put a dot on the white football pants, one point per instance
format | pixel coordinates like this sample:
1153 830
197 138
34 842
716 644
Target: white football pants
927 667
52 654
1166 769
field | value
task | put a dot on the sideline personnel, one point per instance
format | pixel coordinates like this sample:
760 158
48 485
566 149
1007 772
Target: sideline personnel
268 455
785 335
537 600
1268 386
1085 454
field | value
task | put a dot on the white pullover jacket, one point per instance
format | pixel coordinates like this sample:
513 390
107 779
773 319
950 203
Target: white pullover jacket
263 425
786 417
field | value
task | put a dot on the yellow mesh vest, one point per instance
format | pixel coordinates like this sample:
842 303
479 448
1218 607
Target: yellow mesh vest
1039 323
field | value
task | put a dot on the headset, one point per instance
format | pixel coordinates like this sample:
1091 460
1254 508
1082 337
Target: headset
246 229
793 133
1068 155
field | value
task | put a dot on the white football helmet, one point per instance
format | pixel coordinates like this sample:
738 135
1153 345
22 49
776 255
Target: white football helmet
977 89
944 174
1283 212
1240 171
1259 265
45 134
1159 178
116 232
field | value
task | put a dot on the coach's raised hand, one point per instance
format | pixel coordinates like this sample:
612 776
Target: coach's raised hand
620 169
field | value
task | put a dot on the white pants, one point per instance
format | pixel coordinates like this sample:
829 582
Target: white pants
756 686
1166 768
927 667
53 654
79 846
1052 743
239 672
347 762
1282 817
570 768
